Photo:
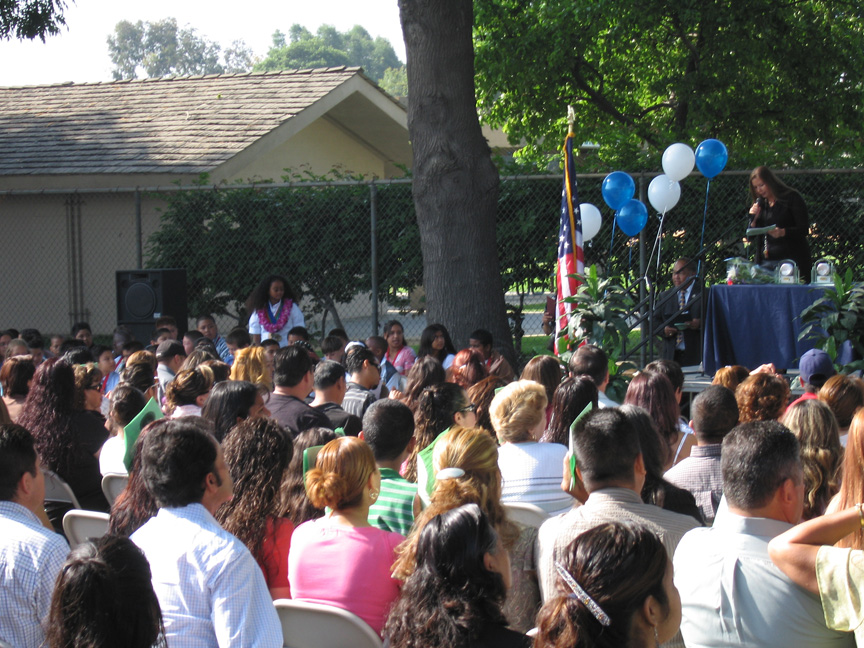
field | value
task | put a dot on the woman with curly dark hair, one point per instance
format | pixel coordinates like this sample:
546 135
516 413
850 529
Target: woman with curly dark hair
295 504
273 310
439 407
435 341
615 590
135 505
427 371
257 452
453 599
68 439
763 396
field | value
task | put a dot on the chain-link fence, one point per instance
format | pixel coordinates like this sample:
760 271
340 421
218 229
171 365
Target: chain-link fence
342 243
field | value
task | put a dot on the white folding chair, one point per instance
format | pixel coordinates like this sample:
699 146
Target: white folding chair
79 526
311 625
113 484
527 514
57 490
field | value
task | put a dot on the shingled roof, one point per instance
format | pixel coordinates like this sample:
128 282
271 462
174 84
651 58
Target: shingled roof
173 125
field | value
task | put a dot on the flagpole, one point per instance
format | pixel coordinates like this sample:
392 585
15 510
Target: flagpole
570 252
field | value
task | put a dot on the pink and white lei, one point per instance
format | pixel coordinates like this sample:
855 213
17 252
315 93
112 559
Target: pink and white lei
266 321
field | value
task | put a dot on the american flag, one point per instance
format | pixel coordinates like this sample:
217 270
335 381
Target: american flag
571 257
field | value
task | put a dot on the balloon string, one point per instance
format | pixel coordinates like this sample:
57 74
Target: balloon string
704 218
612 240
656 247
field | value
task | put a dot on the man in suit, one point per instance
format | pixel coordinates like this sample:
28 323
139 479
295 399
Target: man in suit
683 346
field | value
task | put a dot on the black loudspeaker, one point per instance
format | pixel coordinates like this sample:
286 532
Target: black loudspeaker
143 296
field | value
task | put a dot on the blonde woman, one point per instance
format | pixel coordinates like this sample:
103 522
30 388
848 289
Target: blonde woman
466 465
250 364
815 426
530 470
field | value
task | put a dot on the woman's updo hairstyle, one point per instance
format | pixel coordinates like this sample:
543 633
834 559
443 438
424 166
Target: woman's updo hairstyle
475 452
518 409
126 403
188 385
341 472
619 565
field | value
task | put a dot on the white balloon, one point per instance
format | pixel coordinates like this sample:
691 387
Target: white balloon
591 221
663 193
678 161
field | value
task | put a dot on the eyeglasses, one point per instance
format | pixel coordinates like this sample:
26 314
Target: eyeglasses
472 407
97 388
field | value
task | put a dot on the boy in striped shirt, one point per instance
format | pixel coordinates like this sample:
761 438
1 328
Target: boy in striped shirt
388 428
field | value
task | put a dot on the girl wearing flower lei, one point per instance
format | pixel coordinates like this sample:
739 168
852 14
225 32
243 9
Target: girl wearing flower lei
274 311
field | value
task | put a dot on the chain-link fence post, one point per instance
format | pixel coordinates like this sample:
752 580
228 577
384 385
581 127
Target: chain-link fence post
373 232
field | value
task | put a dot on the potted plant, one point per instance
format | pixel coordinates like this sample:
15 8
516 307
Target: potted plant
835 321
601 309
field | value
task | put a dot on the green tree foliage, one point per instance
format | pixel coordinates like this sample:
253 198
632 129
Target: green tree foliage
395 82
330 48
316 236
31 18
779 83
162 49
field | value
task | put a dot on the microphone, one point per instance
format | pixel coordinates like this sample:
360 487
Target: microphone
762 203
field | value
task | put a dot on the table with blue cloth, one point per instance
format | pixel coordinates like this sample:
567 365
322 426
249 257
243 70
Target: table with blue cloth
756 324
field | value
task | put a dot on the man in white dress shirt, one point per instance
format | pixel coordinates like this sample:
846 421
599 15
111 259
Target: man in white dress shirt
31 555
731 592
211 590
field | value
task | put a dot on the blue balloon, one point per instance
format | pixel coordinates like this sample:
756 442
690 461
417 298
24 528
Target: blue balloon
617 189
632 217
711 157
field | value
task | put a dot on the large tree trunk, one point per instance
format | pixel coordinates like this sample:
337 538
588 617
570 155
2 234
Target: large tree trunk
455 183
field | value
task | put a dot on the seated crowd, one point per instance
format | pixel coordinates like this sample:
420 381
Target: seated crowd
438 496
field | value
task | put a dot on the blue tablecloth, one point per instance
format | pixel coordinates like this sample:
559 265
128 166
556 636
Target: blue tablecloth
753 325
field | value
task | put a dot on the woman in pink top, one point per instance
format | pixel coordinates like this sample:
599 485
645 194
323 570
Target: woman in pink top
399 354
340 559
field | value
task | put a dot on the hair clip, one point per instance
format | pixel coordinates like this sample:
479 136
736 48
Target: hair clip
449 473
582 596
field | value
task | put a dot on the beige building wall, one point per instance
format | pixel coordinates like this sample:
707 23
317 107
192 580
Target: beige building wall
316 148
36 259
